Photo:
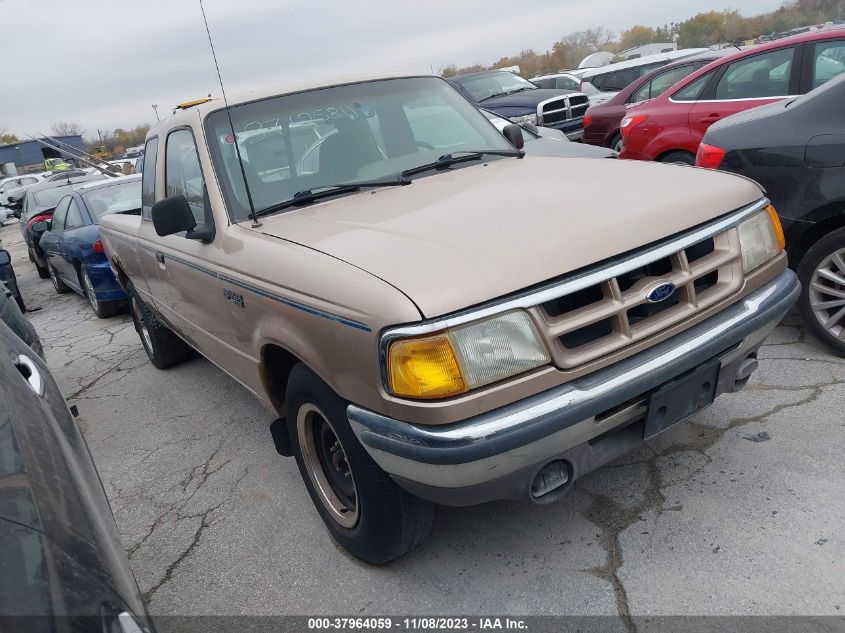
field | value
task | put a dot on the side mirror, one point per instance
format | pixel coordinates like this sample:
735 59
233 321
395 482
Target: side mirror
513 133
40 227
173 215
5 258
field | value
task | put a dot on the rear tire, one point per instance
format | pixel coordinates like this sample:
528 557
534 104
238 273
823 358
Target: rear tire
60 286
366 512
103 309
822 300
683 158
616 143
163 347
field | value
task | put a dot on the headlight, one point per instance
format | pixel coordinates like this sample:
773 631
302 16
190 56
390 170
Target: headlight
761 238
530 119
464 357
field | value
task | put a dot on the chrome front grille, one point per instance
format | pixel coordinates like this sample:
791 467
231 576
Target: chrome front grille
615 312
562 109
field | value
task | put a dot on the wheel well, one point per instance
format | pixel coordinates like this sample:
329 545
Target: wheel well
673 151
613 136
276 365
813 234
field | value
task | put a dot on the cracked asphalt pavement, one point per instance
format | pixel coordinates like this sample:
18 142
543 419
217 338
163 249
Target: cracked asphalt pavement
737 511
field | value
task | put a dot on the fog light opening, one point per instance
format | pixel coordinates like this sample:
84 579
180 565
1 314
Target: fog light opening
551 477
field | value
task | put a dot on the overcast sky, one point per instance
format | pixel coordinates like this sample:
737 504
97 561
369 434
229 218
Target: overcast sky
102 63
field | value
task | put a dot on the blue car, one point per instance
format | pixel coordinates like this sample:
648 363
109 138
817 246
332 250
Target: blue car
71 242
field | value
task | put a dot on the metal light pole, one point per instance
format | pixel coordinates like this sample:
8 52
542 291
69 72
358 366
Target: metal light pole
155 107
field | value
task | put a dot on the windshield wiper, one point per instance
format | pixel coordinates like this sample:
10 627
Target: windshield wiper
447 160
493 96
318 193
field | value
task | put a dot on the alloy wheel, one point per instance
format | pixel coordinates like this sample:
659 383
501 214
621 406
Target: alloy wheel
827 293
89 292
327 465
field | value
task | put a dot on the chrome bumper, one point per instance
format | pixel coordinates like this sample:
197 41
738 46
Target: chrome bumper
461 463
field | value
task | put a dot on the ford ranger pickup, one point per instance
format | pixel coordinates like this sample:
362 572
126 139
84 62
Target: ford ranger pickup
435 317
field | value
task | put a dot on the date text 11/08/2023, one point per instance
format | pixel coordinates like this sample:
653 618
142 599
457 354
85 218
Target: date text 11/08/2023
416 623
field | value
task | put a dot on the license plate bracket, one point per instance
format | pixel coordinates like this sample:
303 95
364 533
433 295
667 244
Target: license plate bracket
680 398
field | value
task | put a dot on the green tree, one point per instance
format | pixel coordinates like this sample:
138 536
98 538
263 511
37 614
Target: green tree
637 36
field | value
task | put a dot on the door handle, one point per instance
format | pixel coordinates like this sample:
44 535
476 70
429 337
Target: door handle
712 117
30 372
159 257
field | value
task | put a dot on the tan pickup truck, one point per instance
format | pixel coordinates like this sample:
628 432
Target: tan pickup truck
434 316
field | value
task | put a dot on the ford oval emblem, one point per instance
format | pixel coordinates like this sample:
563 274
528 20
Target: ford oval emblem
660 292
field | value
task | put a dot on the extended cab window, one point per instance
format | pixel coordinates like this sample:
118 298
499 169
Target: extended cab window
566 83
183 176
760 76
828 61
148 179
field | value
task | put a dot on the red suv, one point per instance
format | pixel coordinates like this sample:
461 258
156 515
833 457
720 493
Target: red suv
670 127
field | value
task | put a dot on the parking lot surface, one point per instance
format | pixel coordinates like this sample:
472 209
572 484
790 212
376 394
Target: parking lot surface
737 511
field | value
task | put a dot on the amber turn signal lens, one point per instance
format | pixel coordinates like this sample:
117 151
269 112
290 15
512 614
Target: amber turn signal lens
424 368
776 225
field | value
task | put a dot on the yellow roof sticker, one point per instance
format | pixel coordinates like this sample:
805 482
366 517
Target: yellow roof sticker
191 104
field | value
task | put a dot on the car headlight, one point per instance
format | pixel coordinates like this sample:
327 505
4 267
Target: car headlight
530 119
464 357
760 238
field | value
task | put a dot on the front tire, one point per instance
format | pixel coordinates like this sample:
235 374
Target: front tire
43 271
822 275
60 286
366 512
616 143
682 158
163 347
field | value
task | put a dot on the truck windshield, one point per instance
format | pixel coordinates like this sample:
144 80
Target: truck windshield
345 134
483 87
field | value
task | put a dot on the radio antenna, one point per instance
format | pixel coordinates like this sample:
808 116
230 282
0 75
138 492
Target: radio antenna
255 222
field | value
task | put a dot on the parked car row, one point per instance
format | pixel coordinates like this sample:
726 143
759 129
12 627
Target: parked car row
63 566
740 111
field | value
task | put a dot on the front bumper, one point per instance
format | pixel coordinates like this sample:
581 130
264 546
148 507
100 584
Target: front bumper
586 423
573 128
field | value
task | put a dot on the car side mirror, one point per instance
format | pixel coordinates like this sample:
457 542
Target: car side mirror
173 215
513 133
5 258
40 227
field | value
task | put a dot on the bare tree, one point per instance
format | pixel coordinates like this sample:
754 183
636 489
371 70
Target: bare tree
64 128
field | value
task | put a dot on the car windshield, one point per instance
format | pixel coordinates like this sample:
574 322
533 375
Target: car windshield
50 197
494 85
354 133
115 199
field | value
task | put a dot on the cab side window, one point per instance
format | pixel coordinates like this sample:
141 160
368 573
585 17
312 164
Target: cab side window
148 179
74 216
566 83
692 91
183 175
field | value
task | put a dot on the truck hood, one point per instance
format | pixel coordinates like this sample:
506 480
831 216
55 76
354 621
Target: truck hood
462 237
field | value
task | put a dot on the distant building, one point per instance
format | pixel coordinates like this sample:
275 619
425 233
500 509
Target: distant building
32 153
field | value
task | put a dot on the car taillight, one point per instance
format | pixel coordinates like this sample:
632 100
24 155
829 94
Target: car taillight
588 119
630 122
38 218
98 246
709 156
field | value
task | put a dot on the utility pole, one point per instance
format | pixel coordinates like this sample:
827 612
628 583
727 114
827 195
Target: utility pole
155 107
